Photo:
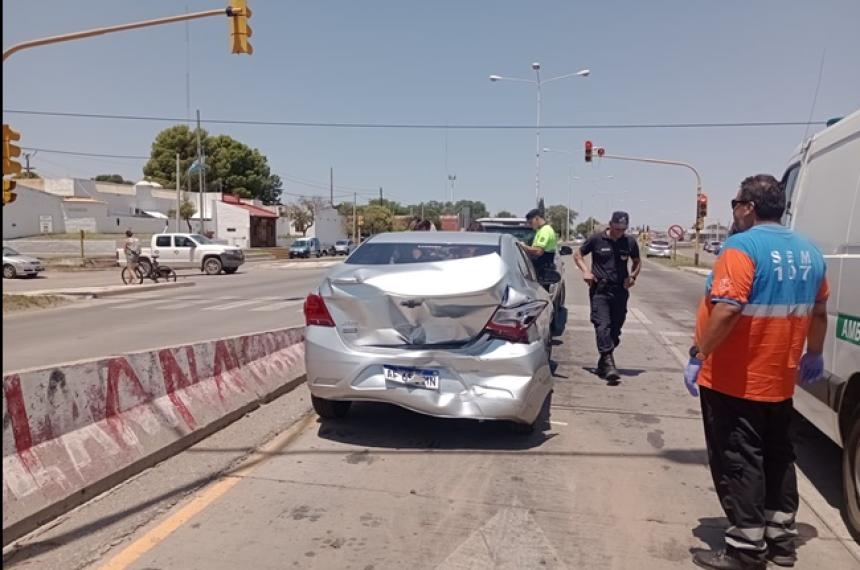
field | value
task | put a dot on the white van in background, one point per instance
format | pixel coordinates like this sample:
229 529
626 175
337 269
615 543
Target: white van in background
823 191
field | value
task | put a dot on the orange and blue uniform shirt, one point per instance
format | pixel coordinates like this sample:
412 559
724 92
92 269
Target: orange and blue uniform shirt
775 277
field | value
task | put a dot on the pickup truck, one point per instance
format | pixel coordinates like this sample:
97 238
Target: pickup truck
189 251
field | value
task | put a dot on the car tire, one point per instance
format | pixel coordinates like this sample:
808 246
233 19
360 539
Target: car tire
559 321
212 266
330 409
851 479
9 271
230 270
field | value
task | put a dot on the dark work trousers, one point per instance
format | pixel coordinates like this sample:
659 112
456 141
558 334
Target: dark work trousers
752 464
608 311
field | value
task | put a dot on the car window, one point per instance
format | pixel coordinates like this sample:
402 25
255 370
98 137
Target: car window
407 253
164 241
202 240
10 251
525 264
658 242
182 241
789 182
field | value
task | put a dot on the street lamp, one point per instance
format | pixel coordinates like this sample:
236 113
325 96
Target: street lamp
538 82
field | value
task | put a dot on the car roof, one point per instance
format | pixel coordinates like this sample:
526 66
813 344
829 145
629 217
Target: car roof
502 221
438 238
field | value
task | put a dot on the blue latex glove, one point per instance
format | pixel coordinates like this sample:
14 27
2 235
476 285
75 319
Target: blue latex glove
811 368
691 374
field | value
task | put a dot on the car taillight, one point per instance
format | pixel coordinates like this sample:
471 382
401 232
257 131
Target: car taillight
512 323
316 313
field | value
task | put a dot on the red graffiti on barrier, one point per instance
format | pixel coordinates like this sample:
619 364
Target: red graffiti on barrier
17 412
118 368
225 362
175 379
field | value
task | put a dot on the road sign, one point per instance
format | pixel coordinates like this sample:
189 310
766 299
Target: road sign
676 232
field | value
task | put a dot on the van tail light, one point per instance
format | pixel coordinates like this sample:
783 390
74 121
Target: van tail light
513 323
316 313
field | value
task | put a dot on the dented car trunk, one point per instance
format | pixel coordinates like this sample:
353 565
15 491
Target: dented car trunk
437 303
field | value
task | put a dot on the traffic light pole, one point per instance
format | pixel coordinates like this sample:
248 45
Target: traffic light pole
111 29
669 163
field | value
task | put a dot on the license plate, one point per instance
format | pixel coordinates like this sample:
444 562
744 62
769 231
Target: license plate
416 377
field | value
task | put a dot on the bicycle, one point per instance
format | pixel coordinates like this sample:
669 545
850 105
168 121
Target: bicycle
156 272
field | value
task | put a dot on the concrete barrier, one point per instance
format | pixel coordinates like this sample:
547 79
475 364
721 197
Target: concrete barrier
72 431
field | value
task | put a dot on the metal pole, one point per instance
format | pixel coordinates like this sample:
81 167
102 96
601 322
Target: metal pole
109 30
672 163
200 175
537 136
331 185
178 197
569 198
355 218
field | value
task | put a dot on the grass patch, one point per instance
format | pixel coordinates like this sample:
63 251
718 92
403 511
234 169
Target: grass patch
14 303
684 261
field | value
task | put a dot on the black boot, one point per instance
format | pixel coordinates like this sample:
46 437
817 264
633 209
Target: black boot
611 374
722 560
601 366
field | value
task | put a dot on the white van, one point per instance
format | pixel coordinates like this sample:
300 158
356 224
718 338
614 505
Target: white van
823 191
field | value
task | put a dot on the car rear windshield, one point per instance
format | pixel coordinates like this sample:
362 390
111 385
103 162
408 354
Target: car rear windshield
403 253
660 243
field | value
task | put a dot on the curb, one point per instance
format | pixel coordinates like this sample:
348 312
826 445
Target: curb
108 291
696 271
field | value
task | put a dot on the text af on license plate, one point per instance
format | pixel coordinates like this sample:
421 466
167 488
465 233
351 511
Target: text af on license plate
412 377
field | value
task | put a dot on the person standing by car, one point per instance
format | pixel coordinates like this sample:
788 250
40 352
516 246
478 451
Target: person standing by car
609 280
131 248
544 243
768 298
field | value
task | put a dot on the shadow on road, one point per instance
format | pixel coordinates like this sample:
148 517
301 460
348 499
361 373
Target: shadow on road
819 459
711 531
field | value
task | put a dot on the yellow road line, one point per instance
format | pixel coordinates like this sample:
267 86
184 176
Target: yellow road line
204 498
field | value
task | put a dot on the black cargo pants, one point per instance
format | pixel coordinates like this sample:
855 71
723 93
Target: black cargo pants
752 464
608 312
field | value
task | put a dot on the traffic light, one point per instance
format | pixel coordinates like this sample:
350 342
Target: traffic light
702 207
10 165
240 31
601 151
588 149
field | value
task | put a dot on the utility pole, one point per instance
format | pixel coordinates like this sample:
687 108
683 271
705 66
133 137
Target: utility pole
381 199
331 185
178 197
355 218
200 174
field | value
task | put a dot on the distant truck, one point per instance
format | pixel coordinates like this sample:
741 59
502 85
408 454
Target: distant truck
189 251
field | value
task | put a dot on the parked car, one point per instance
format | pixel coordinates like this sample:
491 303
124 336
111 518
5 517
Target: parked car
713 246
824 204
406 318
658 248
18 265
344 247
182 251
306 247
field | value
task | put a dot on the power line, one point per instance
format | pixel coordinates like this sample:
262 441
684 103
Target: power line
306 124
92 154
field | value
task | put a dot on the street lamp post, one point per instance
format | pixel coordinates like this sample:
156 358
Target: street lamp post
538 83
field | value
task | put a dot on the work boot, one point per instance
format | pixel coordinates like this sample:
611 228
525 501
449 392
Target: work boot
611 372
601 366
780 555
722 560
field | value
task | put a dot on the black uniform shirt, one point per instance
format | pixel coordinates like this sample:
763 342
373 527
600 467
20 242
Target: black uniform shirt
609 258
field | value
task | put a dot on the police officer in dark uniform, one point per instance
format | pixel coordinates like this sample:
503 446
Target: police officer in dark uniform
609 279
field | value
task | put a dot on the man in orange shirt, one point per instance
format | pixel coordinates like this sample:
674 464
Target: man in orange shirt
767 299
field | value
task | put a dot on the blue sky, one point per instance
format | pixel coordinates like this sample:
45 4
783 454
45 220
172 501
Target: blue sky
402 61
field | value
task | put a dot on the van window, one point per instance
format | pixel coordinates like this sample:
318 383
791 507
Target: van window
789 182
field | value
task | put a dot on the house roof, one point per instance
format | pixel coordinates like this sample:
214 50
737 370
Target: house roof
253 210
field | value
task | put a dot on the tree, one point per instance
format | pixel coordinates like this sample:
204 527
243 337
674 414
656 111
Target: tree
505 214
586 227
230 166
557 218
187 209
477 209
112 178
377 219
301 216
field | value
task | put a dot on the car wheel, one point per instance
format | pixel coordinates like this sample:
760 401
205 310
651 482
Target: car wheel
330 409
559 321
212 266
9 271
851 479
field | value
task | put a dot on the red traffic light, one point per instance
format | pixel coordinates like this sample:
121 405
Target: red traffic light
588 149
703 199
601 151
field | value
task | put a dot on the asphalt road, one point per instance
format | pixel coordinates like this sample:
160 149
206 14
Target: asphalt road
616 478
261 296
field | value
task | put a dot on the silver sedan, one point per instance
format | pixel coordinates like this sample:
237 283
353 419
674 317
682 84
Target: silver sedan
451 325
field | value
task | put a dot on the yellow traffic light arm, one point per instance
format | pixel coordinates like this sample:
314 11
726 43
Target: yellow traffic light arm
111 29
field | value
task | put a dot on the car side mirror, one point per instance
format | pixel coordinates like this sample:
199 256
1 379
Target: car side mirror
549 277
565 250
